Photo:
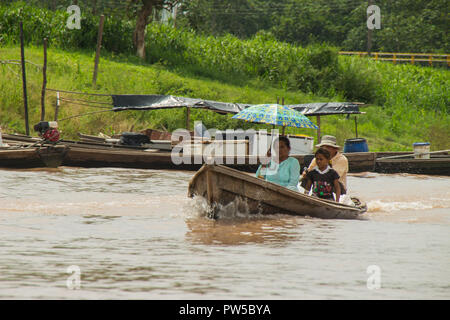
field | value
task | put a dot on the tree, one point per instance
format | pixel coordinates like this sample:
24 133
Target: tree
143 10
242 18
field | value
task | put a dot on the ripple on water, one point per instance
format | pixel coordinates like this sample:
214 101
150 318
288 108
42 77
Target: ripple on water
135 234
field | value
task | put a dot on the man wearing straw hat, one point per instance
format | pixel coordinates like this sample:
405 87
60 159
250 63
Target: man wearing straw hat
338 161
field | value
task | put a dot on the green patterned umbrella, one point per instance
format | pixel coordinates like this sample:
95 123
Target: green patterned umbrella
275 114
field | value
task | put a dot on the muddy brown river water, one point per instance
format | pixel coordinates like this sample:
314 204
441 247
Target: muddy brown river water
109 233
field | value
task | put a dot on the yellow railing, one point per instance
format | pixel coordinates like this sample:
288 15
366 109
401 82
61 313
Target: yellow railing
401 57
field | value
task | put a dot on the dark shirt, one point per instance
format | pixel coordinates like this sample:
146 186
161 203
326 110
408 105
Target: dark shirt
323 183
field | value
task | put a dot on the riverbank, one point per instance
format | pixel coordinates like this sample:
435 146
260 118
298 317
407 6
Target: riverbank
386 129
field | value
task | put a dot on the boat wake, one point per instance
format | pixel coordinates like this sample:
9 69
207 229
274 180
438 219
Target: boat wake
237 209
389 206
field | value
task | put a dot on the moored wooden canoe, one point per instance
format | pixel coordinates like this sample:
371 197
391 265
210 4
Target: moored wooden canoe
221 185
32 157
433 166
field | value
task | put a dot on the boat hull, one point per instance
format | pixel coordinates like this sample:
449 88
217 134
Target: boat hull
35 157
221 185
432 166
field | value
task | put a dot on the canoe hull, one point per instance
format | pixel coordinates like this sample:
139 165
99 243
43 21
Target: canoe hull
221 185
36 157
432 166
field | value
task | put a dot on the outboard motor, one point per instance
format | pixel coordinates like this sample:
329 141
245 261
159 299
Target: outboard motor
48 131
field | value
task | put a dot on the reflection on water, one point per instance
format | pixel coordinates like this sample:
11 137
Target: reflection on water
235 226
135 234
274 230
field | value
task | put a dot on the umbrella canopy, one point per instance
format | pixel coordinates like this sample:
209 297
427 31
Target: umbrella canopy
275 114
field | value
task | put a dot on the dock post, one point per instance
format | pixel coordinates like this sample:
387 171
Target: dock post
44 82
57 106
99 45
24 79
369 36
188 119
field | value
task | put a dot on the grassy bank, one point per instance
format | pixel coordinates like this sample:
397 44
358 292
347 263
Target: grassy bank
396 127
119 75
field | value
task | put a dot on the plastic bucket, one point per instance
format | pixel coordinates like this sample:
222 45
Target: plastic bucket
356 145
421 147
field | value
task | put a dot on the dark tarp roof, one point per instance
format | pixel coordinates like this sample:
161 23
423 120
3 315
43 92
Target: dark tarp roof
327 108
154 102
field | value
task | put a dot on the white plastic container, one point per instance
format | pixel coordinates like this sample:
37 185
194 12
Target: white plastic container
300 144
420 148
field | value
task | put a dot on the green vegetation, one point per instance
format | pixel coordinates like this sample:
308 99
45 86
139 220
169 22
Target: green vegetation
406 25
409 103
73 71
40 23
393 128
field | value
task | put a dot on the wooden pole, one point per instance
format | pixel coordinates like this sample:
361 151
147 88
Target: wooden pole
175 13
24 79
99 45
318 130
188 118
57 106
94 7
369 37
44 81
356 127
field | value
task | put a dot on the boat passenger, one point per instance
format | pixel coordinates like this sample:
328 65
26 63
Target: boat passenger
281 169
338 161
323 178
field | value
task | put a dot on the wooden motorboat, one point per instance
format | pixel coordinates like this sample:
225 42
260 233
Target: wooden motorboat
438 163
25 157
97 152
221 185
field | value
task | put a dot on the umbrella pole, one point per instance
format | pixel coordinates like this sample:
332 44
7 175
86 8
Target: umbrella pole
282 130
318 130
271 134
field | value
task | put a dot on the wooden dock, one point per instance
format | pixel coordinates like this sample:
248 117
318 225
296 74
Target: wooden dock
96 155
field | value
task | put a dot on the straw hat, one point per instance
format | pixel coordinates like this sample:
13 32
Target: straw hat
328 141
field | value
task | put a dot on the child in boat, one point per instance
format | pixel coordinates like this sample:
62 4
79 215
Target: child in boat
323 178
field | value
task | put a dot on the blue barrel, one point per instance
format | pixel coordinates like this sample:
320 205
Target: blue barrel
356 145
